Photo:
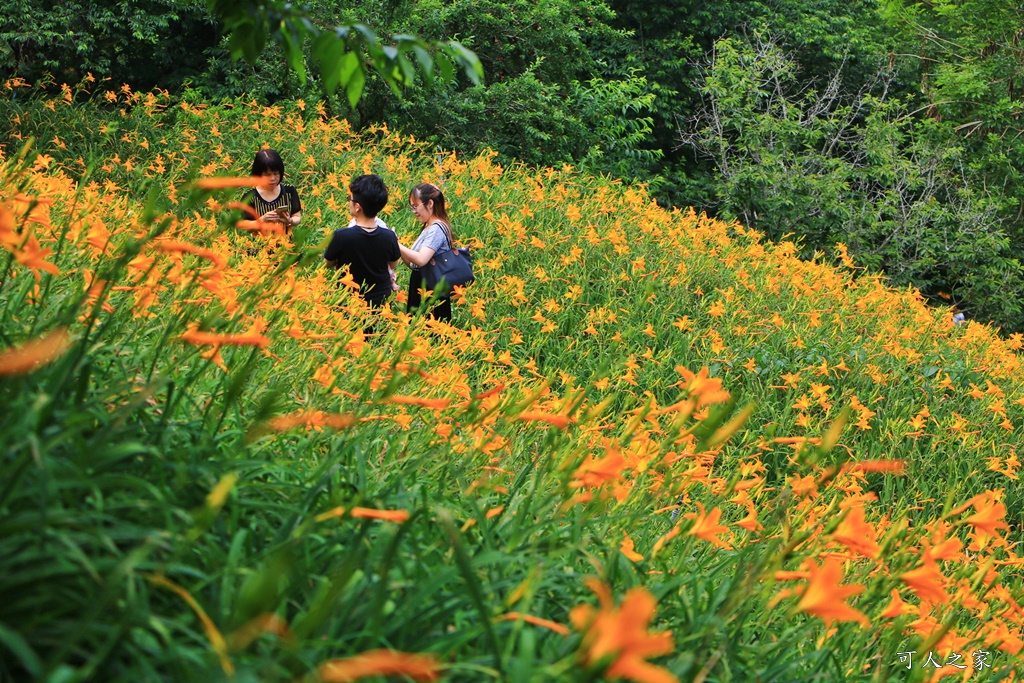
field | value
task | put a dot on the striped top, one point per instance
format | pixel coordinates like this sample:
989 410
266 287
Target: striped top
288 198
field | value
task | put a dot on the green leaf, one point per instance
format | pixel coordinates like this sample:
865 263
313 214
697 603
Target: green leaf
26 656
354 85
348 66
426 63
470 62
408 71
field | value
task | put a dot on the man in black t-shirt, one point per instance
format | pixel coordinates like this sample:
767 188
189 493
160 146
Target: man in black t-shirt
367 249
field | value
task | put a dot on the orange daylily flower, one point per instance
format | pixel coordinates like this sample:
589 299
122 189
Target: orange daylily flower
824 598
32 257
594 472
706 526
989 515
222 182
311 419
629 550
218 260
927 582
561 629
560 421
20 360
948 549
490 392
887 466
707 390
896 606
857 534
194 336
245 634
435 403
248 210
380 663
397 516
620 634
750 522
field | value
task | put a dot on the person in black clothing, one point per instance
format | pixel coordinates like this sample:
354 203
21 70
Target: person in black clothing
274 204
367 249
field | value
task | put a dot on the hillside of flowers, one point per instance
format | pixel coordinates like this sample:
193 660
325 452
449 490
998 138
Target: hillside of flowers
652 446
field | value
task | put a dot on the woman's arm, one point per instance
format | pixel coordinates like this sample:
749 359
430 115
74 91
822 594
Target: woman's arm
417 258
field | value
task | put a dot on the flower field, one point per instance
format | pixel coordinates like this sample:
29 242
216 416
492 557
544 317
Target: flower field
652 447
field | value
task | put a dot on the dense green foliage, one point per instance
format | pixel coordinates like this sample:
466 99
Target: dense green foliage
831 168
895 129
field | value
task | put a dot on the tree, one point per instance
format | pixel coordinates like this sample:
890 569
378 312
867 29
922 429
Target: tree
140 42
970 71
339 51
669 39
152 42
831 167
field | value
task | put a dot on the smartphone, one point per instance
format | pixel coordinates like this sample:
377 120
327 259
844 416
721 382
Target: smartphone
282 211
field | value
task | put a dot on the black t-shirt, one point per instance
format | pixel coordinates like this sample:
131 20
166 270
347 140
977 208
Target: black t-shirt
367 254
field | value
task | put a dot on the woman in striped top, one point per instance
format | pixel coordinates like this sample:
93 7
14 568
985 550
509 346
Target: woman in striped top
276 205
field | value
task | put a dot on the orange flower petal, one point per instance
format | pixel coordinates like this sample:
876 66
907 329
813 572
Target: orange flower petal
20 360
226 181
536 621
380 663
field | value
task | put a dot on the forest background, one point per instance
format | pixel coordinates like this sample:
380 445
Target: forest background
892 127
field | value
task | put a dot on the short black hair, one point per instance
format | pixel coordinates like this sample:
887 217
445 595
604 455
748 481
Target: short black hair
370 192
267 160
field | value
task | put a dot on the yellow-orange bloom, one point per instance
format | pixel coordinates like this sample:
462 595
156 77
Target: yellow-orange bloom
172 246
856 534
222 182
311 419
593 472
380 663
20 360
707 390
268 622
927 582
620 635
560 421
629 550
825 598
435 403
885 466
397 516
896 606
536 621
989 514
750 522
194 336
706 526
32 257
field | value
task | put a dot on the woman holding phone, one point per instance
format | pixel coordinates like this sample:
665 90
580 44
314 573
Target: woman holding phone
274 203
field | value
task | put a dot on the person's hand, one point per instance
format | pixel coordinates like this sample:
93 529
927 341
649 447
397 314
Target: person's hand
272 217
